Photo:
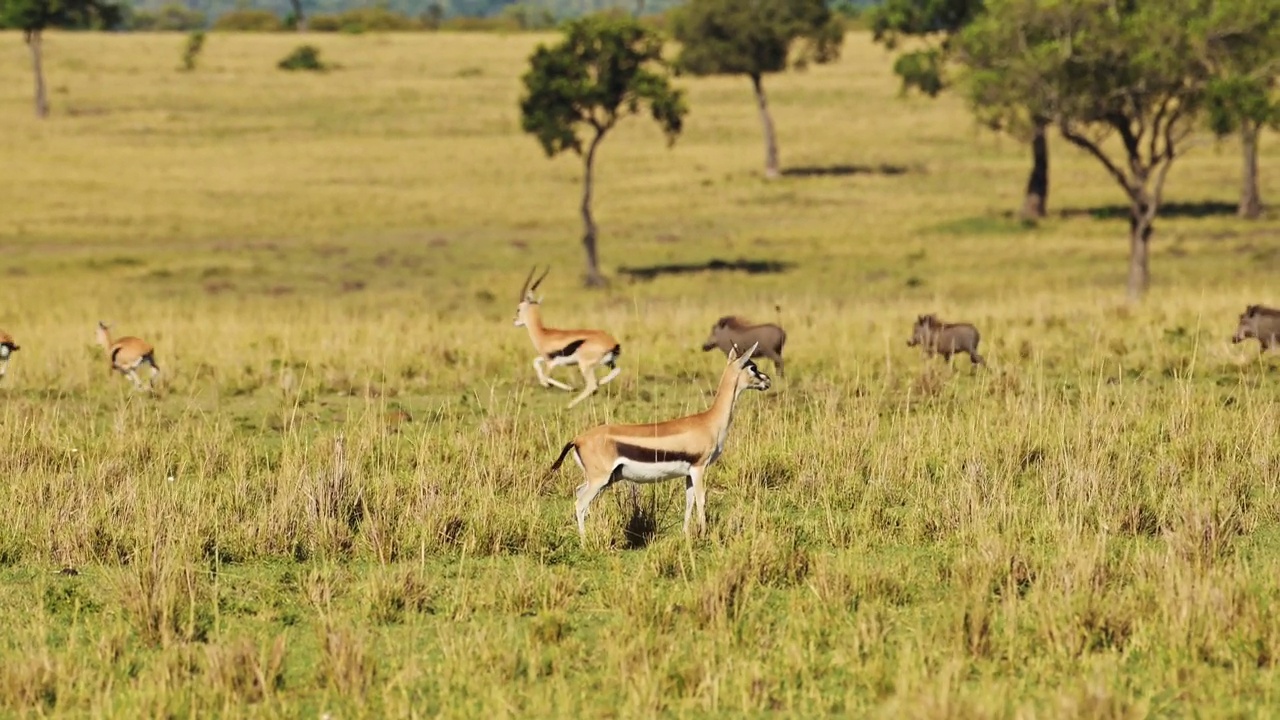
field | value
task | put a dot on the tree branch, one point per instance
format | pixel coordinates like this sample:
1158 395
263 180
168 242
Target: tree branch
1156 129
1132 148
1081 141
1165 162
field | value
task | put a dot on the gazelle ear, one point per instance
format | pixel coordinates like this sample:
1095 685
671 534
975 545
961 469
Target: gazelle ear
733 352
747 355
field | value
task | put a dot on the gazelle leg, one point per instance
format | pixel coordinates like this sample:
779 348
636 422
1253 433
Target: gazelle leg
4 365
688 502
133 375
613 373
587 492
588 374
544 377
699 495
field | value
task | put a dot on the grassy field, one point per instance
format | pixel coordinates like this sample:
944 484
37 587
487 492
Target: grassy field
336 502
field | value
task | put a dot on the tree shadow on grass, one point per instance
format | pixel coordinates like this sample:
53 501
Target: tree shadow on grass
1201 209
844 170
750 267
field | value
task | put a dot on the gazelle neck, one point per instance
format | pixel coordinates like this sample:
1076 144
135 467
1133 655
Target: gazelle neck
533 323
721 411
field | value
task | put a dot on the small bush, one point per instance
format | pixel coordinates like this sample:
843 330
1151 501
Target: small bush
190 54
249 21
303 57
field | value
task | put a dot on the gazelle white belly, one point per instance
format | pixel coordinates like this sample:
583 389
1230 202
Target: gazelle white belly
643 472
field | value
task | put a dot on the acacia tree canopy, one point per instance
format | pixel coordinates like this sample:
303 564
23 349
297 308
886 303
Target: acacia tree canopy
1243 56
755 38
606 68
934 21
1097 70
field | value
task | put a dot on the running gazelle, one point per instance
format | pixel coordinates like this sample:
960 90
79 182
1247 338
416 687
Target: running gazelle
7 348
653 452
128 354
584 348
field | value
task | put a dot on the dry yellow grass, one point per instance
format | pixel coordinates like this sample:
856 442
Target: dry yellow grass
1087 528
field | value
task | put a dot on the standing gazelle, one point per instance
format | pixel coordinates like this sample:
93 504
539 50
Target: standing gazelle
7 348
584 348
128 354
681 448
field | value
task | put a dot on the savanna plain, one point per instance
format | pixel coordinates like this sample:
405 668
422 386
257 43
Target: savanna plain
337 500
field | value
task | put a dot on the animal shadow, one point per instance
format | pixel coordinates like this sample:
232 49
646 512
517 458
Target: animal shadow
844 170
750 267
641 528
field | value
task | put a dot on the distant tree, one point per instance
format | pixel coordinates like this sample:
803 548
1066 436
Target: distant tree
754 38
33 17
1097 70
605 68
1244 59
935 24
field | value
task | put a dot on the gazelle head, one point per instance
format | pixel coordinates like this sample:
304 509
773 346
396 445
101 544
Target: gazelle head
527 297
748 376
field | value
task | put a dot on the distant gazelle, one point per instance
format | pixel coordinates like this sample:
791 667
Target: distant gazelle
7 348
128 354
584 348
654 452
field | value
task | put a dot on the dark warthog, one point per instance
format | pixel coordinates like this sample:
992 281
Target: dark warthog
732 330
947 339
1259 322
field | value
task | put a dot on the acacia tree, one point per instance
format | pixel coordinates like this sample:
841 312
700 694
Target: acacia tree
935 24
754 38
33 17
605 68
1244 58
1097 70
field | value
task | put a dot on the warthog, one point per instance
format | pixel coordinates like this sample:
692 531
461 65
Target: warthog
946 339
732 330
1259 322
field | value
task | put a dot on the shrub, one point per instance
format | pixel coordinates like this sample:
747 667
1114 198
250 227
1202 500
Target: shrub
249 21
190 54
303 57
170 17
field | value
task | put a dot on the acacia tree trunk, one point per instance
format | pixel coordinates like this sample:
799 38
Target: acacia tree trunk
1250 199
1141 226
1036 202
770 140
594 278
34 41
300 20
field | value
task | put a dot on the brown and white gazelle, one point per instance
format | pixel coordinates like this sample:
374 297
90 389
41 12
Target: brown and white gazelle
7 348
654 452
128 354
584 348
